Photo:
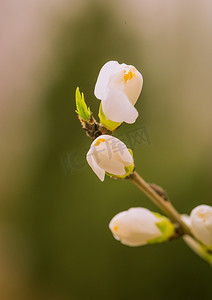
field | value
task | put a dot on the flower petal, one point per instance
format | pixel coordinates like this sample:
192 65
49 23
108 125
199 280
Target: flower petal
113 148
110 165
117 107
201 224
102 152
104 156
103 78
135 226
124 156
133 87
94 166
120 152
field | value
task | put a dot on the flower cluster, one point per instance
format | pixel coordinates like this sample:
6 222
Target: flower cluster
118 87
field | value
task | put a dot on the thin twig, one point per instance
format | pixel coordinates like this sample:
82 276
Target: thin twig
164 205
93 128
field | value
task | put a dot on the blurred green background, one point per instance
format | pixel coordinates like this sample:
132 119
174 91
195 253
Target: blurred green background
55 242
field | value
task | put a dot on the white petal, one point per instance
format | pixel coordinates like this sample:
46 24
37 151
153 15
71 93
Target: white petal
186 219
97 170
104 157
110 165
101 145
193 244
124 156
120 152
201 224
103 78
117 107
103 136
116 79
133 87
109 154
114 149
115 222
135 226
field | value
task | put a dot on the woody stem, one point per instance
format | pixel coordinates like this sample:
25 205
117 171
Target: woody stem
164 205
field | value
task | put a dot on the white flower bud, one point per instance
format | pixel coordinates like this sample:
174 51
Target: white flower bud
192 243
201 224
198 248
139 226
119 86
109 154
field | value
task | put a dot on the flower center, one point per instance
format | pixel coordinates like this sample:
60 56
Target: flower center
128 76
203 216
99 142
115 228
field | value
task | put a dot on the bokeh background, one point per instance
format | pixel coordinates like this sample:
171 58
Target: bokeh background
55 243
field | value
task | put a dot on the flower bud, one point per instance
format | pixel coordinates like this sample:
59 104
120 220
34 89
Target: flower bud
197 247
201 224
119 86
139 226
108 154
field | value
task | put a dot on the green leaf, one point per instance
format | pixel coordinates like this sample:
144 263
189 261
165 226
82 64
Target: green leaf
166 227
106 122
82 110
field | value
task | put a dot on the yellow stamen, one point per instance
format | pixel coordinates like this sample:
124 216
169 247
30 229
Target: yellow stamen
99 142
203 217
128 76
115 228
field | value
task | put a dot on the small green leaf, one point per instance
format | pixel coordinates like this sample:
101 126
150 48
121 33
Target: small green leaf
106 122
82 110
166 227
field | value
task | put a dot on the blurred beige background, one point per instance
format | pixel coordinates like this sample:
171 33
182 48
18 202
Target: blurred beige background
54 238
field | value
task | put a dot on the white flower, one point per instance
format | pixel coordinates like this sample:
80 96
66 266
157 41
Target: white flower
201 224
192 243
139 226
198 248
109 154
119 86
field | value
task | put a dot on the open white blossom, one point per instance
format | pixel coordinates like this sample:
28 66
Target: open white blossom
201 224
119 86
109 154
139 226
